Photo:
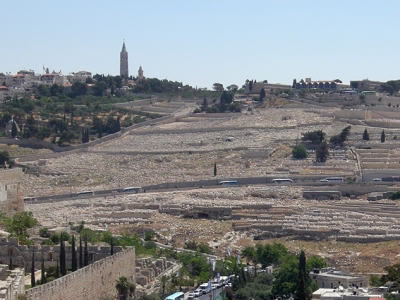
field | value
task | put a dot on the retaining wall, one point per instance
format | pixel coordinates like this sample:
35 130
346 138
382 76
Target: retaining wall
92 282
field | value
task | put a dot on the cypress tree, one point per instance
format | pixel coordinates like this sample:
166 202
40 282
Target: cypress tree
366 135
80 253
33 281
262 95
10 264
74 263
215 169
57 270
302 292
72 116
14 130
112 246
86 255
63 269
118 124
383 136
43 279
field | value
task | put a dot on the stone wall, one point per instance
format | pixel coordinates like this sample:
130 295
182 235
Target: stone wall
22 255
92 282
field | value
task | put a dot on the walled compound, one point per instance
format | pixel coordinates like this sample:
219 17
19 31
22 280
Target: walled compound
21 255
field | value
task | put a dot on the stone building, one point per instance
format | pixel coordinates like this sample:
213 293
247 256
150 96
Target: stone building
11 197
123 63
331 278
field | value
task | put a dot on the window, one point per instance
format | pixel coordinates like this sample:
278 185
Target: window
322 284
331 285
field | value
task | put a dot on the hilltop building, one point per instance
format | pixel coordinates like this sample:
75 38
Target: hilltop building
123 63
319 84
255 87
365 85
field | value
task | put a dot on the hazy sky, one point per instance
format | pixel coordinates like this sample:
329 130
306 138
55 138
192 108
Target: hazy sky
202 42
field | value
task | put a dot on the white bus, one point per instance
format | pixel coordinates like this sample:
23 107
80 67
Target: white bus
176 296
86 193
282 180
30 199
137 189
334 179
228 183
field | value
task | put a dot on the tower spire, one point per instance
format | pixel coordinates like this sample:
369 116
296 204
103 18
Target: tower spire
124 70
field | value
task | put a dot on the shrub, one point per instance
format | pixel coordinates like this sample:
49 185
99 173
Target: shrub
299 152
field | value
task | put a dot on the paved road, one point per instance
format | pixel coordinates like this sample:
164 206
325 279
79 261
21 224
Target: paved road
213 294
304 180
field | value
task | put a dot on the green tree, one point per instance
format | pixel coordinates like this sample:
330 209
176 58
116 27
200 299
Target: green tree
63 267
56 90
322 152
366 135
33 281
14 130
74 261
383 136
218 87
374 280
79 88
4 157
57 270
99 88
122 287
393 274
215 169
342 137
204 105
299 152
163 280
80 253
148 236
18 226
316 137
86 255
302 292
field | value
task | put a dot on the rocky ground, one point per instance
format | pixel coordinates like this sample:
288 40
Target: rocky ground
187 150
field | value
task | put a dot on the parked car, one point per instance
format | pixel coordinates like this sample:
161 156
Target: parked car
376 180
191 295
198 292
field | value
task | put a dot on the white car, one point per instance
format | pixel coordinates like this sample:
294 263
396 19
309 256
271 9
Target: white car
191 296
376 180
197 293
323 180
214 286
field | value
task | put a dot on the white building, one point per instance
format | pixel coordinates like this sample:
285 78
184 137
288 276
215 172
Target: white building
331 278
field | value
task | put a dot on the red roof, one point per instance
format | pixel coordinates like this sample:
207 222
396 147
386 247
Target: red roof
3 88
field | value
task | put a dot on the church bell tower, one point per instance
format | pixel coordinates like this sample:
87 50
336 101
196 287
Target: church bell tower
123 63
